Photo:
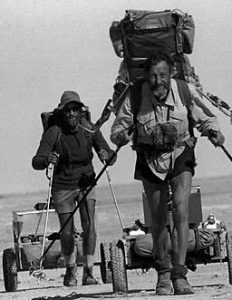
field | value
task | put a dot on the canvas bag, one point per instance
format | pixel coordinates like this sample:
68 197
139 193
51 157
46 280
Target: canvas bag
141 33
198 239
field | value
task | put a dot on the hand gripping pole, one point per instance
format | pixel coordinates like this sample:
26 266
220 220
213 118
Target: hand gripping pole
35 265
38 273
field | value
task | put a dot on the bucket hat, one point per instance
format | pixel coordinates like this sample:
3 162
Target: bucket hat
68 97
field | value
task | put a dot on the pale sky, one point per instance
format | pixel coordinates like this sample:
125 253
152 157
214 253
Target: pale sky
48 47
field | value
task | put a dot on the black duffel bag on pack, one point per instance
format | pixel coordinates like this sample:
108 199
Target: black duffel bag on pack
141 33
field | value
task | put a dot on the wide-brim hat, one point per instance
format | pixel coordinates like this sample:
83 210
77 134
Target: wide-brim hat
68 97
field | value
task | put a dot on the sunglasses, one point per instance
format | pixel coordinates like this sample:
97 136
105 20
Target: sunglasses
73 108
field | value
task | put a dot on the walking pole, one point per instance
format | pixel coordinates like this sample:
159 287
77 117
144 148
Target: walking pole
109 107
114 198
227 153
37 228
49 174
220 104
34 268
50 170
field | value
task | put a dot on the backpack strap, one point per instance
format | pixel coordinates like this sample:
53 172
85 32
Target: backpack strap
57 140
135 100
184 92
136 97
186 99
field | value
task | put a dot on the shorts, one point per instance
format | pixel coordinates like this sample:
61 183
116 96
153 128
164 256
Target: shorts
65 201
185 162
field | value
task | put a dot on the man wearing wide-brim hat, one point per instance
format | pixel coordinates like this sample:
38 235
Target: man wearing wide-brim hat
68 145
69 97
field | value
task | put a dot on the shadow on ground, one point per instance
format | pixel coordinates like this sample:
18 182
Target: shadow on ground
132 293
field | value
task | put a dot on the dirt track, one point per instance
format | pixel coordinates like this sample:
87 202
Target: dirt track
209 282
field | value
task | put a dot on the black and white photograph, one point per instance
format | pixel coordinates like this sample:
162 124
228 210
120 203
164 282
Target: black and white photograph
116 149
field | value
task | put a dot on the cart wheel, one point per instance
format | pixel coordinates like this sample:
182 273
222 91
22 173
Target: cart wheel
10 270
105 259
118 265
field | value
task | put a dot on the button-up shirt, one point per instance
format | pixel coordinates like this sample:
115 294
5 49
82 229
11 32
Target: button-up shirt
151 112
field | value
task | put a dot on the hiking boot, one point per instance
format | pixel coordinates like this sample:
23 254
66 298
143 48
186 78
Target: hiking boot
179 280
88 278
163 286
70 278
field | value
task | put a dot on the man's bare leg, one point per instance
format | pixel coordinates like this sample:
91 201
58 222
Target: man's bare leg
69 249
181 188
87 213
157 197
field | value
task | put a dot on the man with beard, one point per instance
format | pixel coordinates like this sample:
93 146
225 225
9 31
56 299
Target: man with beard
68 145
160 122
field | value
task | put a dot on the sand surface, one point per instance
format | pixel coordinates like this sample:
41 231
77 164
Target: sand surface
209 281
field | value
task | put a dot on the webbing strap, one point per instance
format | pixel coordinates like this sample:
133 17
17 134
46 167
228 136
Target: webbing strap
186 99
184 92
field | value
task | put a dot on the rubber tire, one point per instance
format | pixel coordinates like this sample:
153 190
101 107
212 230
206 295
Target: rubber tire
105 259
10 274
229 254
118 267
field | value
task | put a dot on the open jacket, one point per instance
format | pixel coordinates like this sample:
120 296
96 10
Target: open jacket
152 112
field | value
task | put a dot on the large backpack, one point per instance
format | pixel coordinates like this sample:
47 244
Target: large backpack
141 33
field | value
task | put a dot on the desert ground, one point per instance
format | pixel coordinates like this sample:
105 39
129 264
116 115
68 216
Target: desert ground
209 281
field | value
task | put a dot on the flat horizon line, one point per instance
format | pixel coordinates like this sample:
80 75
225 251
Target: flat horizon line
104 185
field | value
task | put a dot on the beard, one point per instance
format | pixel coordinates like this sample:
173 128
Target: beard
72 121
160 90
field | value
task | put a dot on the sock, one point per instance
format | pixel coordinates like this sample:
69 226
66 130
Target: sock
88 261
70 260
